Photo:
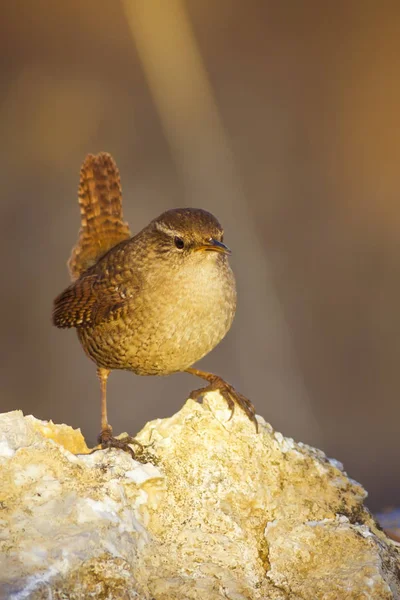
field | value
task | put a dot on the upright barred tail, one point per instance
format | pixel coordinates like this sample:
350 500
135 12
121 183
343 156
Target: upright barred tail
102 224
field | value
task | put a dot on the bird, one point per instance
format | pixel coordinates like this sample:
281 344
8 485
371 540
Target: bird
154 303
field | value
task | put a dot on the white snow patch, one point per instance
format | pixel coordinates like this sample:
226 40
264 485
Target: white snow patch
342 519
143 473
365 531
285 444
336 463
59 567
91 510
5 449
270 525
31 473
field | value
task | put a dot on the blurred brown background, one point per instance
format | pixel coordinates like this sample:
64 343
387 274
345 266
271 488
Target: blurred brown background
280 118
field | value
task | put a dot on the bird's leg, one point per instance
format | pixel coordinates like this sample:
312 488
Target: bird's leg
227 391
106 438
106 429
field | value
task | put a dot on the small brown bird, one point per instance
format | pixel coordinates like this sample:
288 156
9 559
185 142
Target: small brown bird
154 303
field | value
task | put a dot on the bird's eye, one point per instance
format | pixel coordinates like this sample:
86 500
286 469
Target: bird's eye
179 243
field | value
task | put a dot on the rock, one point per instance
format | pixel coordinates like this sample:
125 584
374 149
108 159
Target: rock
213 511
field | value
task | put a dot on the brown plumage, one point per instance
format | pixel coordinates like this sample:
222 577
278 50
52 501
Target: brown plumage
102 223
153 304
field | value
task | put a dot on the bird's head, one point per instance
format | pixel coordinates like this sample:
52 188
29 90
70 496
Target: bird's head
188 234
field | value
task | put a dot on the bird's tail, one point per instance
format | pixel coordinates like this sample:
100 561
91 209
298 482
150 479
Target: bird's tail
102 223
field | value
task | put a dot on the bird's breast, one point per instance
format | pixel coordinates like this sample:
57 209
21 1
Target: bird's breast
187 316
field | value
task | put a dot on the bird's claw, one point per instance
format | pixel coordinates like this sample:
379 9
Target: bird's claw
230 395
107 440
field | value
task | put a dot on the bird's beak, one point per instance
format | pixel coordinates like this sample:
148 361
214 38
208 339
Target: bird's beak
215 246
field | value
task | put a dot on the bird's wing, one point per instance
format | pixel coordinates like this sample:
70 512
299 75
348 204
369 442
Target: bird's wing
94 298
76 306
102 223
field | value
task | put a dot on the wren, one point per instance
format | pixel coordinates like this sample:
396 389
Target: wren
154 303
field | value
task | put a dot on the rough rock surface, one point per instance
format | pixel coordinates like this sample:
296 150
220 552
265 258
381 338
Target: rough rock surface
214 511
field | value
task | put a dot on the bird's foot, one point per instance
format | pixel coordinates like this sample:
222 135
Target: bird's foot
229 393
107 440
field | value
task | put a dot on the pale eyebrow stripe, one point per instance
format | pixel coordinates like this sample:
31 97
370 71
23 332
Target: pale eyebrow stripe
164 229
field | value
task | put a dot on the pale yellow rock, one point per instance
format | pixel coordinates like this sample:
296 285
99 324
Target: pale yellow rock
217 512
